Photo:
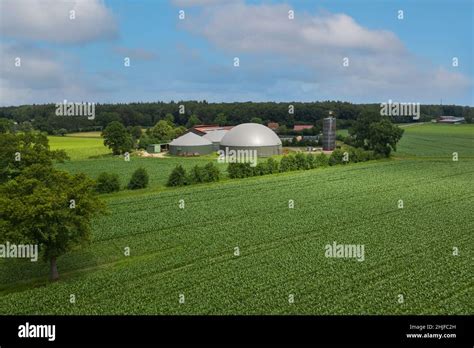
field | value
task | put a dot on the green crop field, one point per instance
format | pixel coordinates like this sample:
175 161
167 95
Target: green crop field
437 140
79 148
89 155
157 168
191 251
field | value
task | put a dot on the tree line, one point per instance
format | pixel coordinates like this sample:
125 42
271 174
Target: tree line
189 113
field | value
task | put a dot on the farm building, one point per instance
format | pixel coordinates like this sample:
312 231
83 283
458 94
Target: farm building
300 127
156 148
450 119
252 136
215 137
190 144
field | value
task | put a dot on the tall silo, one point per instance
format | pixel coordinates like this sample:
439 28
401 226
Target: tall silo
329 134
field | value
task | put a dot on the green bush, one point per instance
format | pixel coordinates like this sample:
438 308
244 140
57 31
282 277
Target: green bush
233 170
138 180
300 161
322 160
272 166
261 168
336 157
360 155
107 182
288 163
247 170
211 172
196 175
178 177
240 170
311 161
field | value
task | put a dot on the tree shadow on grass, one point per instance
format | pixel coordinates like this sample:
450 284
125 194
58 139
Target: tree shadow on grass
107 155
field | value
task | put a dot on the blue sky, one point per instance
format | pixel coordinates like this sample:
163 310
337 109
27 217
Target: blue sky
281 59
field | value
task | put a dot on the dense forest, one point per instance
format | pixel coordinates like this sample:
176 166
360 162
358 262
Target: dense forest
43 117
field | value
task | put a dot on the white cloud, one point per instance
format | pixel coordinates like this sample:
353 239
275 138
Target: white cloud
380 66
267 28
49 20
42 77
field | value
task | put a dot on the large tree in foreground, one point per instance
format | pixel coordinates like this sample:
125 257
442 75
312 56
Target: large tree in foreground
21 150
50 208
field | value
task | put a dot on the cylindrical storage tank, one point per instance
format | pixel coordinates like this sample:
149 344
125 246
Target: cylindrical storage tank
329 134
190 144
252 136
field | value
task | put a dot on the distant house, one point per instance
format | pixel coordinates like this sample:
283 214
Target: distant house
300 127
450 119
273 125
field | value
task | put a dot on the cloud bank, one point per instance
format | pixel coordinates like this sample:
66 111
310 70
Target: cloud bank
50 20
379 65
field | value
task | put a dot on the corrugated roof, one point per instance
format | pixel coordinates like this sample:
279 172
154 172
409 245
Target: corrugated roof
216 135
190 139
299 127
205 129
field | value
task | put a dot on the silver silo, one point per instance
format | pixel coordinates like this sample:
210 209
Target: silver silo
329 134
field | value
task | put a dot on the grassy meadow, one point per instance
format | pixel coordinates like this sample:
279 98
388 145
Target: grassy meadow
191 251
79 148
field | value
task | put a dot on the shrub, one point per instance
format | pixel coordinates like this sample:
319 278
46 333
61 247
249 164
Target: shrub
240 170
288 163
177 177
359 155
197 175
300 161
138 180
261 168
211 172
272 166
336 157
322 160
247 170
233 169
107 182
310 161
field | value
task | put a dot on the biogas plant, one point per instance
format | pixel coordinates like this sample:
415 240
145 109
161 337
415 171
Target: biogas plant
253 137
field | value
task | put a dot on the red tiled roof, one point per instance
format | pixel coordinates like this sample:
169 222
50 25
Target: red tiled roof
273 125
299 127
204 128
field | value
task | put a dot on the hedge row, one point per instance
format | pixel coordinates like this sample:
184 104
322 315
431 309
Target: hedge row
300 161
197 174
